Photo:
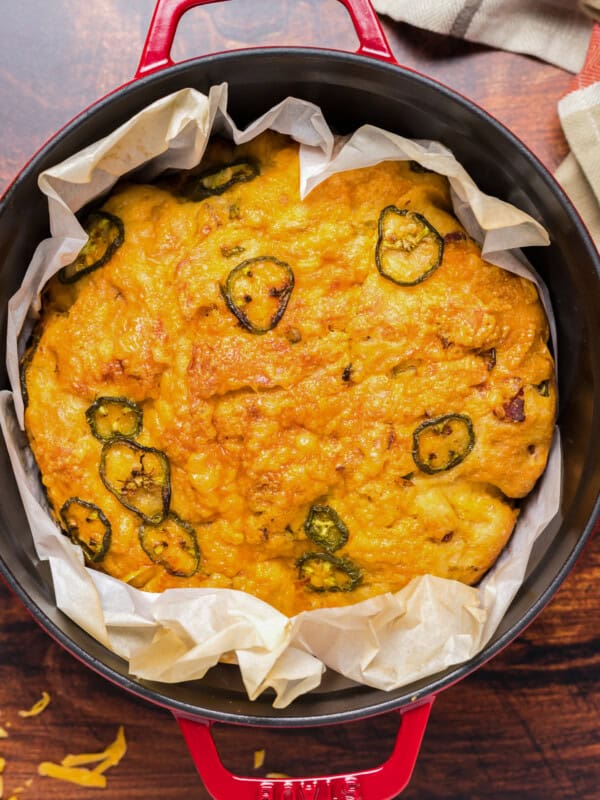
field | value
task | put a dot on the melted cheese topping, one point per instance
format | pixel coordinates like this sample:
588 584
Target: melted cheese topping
322 408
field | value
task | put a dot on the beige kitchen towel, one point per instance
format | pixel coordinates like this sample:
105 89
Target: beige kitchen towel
557 31
579 112
562 32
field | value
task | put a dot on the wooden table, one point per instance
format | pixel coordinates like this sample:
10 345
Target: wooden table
524 726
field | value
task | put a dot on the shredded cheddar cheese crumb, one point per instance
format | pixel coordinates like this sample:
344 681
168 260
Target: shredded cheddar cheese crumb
109 757
81 759
73 769
275 775
2 765
3 733
114 752
259 758
38 707
78 775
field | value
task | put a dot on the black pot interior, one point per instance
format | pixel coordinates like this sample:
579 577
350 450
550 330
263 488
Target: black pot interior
352 91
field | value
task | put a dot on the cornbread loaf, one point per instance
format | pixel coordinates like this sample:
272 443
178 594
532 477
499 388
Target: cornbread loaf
312 401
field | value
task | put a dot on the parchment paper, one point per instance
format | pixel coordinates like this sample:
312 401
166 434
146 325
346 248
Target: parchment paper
385 642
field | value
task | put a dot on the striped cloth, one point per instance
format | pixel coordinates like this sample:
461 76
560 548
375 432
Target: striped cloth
560 32
557 31
579 112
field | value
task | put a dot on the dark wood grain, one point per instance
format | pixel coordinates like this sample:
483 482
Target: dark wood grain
525 726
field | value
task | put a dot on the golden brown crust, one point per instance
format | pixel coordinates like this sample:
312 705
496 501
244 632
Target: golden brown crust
320 409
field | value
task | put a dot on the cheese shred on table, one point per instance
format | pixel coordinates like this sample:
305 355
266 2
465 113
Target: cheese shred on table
37 707
72 768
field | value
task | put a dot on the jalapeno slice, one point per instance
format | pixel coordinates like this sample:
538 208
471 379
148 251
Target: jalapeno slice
324 572
230 252
544 388
489 357
219 179
257 292
414 166
24 367
409 249
324 526
173 544
87 526
106 234
140 477
442 442
114 418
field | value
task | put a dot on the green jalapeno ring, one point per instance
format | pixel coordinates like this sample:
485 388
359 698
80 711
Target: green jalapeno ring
99 408
96 223
24 365
430 231
414 166
454 457
282 294
140 483
188 543
324 526
344 565
198 187
544 388
230 252
95 515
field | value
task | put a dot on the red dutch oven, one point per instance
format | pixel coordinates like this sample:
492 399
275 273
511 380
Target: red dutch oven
352 89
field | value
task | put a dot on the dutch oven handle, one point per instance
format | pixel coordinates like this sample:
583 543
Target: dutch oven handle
380 783
167 14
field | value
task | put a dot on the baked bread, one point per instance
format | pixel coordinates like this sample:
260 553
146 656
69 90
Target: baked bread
311 401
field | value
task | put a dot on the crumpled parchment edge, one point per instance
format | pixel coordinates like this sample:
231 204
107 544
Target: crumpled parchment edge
386 641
